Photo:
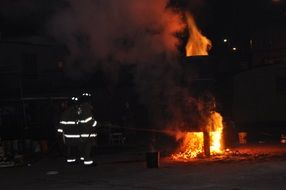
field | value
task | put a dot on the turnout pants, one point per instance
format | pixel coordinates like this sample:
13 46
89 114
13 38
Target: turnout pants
72 149
85 150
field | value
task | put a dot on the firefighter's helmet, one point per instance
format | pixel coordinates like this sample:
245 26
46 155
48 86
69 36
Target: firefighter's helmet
85 97
73 100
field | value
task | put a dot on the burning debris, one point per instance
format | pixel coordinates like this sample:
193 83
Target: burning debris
193 144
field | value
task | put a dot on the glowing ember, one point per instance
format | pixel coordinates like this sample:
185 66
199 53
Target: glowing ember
197 44
192 143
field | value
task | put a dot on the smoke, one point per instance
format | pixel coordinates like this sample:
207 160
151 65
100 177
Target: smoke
110 33
120 32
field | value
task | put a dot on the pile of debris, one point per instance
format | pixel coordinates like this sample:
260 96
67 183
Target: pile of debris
7 159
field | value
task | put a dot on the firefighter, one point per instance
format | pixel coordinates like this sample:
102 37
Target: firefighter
87 125
77 126
69 131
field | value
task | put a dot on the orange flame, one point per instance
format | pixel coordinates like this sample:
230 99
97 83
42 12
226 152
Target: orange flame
215 128
197 44
192 144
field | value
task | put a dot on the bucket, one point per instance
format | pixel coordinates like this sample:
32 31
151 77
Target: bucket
152 159
242 137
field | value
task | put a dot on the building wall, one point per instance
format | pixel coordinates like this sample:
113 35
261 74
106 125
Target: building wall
260 95
28 72
29 66
269 44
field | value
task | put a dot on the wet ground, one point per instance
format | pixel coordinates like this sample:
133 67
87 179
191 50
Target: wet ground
248 167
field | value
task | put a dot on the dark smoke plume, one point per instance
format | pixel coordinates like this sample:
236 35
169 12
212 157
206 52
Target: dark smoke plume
110 33
117 32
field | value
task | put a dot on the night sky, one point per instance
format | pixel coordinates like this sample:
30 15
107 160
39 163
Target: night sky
217 19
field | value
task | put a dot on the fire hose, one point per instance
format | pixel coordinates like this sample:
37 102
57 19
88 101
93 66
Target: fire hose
152 130
142 129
